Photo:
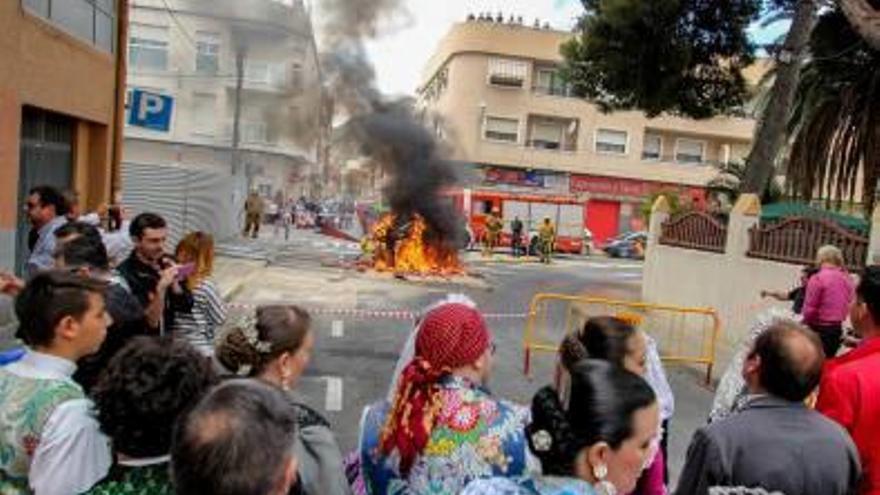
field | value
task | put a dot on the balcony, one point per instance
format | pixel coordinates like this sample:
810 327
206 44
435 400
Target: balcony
255 19
279 78
552 134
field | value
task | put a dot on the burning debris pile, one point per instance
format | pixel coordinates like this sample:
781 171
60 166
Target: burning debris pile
422 233
404 246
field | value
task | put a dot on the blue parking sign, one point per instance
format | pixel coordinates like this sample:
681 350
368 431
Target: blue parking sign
150 110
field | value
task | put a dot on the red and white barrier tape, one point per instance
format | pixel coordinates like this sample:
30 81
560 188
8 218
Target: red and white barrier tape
376 314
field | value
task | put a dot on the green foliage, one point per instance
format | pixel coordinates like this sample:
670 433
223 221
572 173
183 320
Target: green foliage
728 185
680 56
835 122
675 204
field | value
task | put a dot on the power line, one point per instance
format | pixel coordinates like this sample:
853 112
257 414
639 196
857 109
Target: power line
180 25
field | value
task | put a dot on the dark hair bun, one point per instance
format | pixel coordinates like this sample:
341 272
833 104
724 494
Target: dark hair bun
549 434
236 354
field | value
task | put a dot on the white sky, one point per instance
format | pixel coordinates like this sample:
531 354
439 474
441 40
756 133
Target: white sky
401 53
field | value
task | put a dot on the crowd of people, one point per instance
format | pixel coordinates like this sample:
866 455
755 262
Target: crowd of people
286 215
134 382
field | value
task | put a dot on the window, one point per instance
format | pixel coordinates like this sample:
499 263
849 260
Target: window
501 129
689 151
207 52
148 47
265 73
93 21
204 114
547 135
254 132
612 142
653 147
549 82
507 72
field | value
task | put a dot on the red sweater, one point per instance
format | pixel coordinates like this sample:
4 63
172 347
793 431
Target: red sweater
850 395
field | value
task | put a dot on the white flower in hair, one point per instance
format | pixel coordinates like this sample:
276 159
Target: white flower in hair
542 441
248 326
244 370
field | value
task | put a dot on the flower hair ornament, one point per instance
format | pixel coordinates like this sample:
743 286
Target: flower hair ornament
248 326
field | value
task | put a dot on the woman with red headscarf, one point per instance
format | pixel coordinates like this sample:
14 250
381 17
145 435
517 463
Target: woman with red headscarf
443 429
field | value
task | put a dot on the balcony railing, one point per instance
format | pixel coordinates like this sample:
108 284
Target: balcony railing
563 92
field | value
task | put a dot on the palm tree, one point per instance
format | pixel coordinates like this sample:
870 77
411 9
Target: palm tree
835 122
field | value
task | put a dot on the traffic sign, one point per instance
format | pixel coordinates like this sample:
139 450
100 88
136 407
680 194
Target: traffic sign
150 110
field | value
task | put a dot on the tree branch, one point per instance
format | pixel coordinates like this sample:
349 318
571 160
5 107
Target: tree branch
865 19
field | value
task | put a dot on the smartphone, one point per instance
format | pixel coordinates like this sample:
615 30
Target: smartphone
185 270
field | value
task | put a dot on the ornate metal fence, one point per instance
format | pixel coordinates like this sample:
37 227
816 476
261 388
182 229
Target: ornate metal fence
797 239
695 230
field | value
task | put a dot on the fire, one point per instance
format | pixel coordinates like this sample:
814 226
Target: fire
412 253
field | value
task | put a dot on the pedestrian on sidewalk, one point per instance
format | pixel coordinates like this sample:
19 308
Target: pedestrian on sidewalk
147 386
776 444
287 222
253 211
516 233
443 428
199 325
850 389
829 295
275 347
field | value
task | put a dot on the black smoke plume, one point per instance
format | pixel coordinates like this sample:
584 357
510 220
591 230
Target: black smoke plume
389 132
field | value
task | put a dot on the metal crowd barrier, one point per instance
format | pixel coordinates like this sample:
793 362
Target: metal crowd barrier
684 335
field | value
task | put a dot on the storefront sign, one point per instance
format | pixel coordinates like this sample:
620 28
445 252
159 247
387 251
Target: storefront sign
514 177
613 186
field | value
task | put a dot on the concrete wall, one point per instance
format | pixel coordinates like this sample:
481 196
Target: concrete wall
43 66
729 282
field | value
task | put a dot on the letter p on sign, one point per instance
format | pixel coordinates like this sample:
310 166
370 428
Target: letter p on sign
150 110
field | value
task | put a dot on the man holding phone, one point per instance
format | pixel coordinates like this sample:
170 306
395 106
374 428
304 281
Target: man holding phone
153 276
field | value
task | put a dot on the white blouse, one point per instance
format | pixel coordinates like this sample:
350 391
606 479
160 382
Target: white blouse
73 454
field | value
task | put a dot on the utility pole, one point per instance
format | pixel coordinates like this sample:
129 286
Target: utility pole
236 119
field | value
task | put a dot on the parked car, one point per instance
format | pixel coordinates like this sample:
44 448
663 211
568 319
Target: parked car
629 245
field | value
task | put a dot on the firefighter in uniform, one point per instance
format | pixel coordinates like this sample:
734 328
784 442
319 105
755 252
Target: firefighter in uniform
253 211
493 233
547 238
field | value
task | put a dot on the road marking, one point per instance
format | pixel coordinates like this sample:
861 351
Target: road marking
337 329
333 400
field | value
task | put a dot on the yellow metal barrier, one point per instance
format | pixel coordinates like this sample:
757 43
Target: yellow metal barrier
683 335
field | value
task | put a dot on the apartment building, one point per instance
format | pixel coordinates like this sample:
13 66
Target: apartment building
184 58
62 82
493 91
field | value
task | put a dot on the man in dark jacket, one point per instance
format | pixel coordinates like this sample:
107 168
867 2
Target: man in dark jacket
151 275
776 444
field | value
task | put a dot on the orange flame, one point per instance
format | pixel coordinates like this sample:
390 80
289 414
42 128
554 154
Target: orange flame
412 254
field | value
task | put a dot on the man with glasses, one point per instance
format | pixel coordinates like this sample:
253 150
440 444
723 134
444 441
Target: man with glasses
46 210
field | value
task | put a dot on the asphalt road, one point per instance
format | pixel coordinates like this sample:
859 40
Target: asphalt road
356 353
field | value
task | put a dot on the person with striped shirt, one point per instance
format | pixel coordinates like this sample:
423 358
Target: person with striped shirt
199 325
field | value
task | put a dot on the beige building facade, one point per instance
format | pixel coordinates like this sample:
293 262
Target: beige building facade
493 92
62 79
191 52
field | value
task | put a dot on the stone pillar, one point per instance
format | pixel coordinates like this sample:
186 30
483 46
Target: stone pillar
659 214
874 244
746 213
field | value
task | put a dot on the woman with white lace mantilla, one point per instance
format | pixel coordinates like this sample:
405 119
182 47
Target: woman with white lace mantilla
275 346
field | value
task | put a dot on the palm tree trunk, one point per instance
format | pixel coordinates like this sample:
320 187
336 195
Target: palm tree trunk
865 19
770 136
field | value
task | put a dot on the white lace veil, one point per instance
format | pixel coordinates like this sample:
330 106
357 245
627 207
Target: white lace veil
409 349
732 389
